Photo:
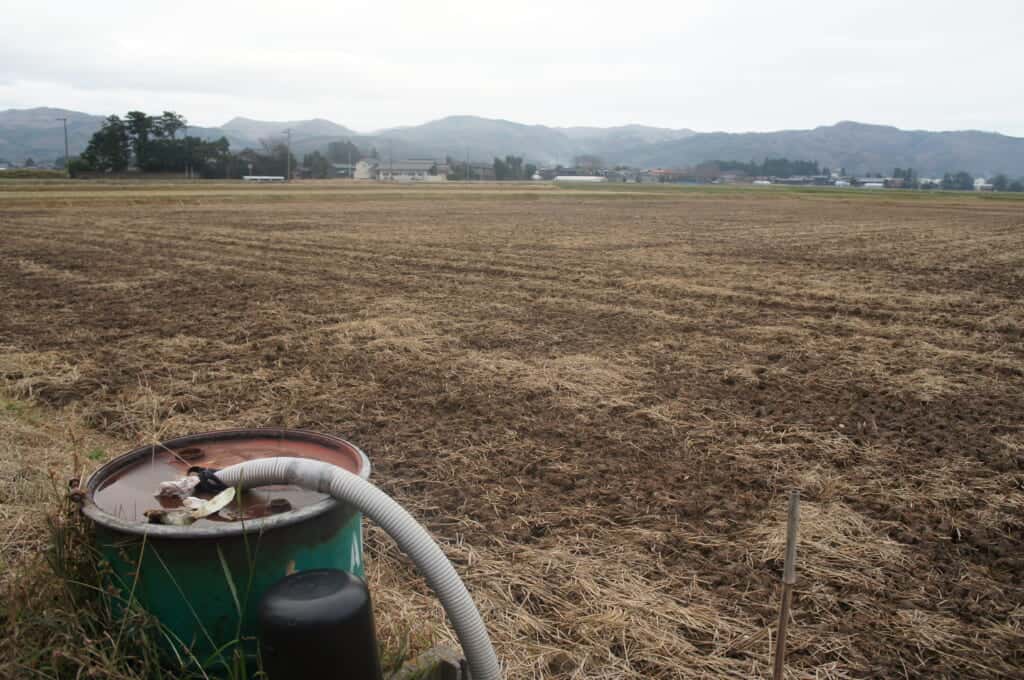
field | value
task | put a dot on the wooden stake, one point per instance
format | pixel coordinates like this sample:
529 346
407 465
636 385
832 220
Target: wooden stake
788 581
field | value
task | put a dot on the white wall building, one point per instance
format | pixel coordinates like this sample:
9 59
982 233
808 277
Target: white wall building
366 169
405 170
409 170
580 179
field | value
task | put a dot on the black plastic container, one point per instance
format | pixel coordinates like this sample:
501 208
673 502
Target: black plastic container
318 624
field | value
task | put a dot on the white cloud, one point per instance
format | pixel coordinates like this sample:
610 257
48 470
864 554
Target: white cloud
709 65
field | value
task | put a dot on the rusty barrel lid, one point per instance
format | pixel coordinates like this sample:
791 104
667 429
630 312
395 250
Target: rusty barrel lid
120 490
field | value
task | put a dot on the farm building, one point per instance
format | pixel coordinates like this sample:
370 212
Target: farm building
342 170
405 170
410 170
366 169
580 179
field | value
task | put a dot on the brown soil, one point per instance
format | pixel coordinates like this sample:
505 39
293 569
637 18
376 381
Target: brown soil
599 397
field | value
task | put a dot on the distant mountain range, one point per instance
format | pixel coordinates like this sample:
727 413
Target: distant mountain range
859 148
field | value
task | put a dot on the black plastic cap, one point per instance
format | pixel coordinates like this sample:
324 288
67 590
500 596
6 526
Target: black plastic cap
317 625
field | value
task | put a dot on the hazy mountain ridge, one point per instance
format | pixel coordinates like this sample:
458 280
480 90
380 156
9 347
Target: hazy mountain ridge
858 147
248 128
37 134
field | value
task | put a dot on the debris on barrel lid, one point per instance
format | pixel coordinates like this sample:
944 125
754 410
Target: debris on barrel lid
181 517
180 488
208 480
195 508
202 508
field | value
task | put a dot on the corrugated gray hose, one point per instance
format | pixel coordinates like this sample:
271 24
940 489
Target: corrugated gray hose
412 538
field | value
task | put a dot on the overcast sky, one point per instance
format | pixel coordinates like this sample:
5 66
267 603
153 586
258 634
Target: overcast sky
704 64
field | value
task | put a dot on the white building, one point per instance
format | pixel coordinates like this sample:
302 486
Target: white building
366 169
409 170
405 170
580 179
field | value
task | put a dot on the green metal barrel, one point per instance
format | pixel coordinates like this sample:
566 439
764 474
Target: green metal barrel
203 582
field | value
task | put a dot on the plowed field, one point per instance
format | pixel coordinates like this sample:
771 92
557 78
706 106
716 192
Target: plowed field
598 398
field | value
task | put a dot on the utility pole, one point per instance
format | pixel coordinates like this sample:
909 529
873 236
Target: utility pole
288 156
188 156
67 161
351 172
391 161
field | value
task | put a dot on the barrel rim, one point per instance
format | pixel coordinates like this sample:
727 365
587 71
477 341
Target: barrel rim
260 525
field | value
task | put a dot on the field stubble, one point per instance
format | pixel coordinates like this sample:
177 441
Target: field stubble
598 399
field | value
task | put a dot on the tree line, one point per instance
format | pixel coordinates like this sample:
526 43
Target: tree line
958 181
512 168
508 169
151 144
1003 183
773 167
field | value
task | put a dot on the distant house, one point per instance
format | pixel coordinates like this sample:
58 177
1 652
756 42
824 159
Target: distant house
631 175
981 184
342 170
410 170
580 179
367 169
668 175
406 170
